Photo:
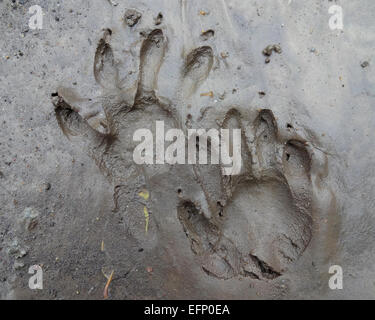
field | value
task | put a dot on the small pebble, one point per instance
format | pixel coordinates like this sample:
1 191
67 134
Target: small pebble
18 265
132 17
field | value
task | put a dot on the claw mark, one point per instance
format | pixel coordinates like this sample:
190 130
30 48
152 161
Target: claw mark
113 3
227 16
205 35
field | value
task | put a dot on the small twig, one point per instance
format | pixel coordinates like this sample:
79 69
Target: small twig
107 285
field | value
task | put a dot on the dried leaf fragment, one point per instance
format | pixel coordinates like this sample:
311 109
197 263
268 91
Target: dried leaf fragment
144 194
147 218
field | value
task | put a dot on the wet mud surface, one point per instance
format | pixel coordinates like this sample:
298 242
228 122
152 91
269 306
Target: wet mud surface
74 202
